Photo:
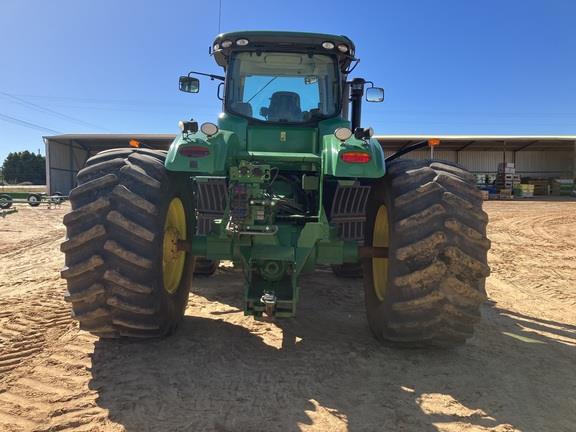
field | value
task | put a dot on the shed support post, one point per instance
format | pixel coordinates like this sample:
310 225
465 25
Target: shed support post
71 165
48 176
574 162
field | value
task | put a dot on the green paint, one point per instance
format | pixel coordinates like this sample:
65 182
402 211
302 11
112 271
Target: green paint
222 149
275 225
334 166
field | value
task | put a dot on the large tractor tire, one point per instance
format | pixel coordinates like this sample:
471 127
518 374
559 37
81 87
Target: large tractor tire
205 267
348 270
125 274
429 290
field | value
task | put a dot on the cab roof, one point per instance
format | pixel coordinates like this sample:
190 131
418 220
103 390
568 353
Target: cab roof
282 41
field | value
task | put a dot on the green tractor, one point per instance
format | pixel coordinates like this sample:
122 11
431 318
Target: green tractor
287 180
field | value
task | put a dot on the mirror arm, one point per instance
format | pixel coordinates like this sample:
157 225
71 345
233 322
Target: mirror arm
212 77
218 92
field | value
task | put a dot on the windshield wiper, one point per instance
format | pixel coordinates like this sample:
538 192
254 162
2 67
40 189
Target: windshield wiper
259 91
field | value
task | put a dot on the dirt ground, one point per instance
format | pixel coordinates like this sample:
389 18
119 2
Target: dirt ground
321 371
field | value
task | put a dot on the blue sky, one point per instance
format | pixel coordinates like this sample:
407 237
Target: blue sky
448 66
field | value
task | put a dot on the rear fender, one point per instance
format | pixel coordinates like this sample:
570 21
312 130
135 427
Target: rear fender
196 153
333 165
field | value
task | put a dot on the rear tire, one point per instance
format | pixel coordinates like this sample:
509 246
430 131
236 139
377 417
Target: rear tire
5 201
348 270
56 198
429 290
205 267
115 246
34 200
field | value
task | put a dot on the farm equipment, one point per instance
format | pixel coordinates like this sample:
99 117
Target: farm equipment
4 213
287 180
33 199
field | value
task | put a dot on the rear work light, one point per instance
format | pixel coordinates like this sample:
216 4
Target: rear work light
194 151
355 157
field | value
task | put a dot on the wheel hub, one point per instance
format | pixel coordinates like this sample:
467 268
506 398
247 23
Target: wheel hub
173 258
171 237
380 239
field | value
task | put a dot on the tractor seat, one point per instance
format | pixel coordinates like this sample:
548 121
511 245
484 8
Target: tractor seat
285 106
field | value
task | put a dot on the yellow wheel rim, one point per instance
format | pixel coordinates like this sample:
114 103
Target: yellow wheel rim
380 238
173 259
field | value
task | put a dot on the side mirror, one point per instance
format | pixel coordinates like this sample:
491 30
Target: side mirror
189 84
264 112
374 94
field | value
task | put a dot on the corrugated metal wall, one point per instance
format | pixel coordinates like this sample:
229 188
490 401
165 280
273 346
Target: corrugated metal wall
425 154
545 164
528 163
484 161
62 163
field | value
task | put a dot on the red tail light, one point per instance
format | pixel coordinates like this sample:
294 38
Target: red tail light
194 151
355 157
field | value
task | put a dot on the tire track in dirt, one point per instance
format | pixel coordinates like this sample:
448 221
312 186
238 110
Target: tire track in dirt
535 250
320 371
54 394
44 359
28 329
33 312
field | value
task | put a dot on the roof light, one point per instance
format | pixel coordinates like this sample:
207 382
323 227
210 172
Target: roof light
343 48
216 47
242 42
327 45
188 126
363 133
356 157
343 133
209 129
226 43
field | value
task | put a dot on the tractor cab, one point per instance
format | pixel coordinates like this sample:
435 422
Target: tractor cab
283 91
281 79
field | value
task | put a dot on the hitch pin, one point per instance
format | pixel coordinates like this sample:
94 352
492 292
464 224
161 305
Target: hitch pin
269 300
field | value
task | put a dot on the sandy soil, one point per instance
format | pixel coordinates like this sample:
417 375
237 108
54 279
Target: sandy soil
321 371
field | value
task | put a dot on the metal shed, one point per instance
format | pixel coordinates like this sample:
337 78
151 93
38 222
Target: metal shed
67 154
534 156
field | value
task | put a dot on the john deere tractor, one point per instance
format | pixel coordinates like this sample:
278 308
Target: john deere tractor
288 179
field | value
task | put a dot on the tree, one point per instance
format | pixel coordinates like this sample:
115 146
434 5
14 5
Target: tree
24 166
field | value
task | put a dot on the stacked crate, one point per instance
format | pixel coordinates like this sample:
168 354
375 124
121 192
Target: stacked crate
524 191
506 179
541 186
562 187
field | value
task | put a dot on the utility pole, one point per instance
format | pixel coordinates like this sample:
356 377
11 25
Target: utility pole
219 14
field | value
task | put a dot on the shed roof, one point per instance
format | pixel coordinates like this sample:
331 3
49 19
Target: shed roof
485 142
97 142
